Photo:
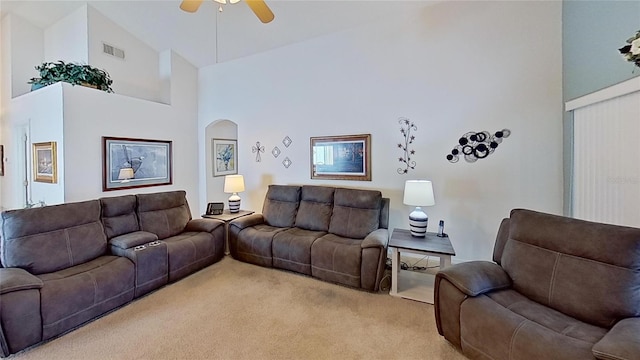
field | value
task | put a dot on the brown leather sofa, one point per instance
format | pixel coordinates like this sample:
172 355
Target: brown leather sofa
334 234
64 265
559 288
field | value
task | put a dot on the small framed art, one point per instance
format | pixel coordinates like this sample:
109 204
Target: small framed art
224 156
45 162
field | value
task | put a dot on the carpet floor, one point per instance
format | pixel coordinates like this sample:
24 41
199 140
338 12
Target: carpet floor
233 310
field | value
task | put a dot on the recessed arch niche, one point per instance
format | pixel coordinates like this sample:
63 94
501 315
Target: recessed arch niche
217 129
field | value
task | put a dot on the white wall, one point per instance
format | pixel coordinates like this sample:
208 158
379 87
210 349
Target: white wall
91 114
23 50
67 39
138 74
455 67
38 115
218 129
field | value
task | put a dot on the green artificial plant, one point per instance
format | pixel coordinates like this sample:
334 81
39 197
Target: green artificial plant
74 74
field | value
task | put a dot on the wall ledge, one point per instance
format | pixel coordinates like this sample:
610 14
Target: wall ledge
620 89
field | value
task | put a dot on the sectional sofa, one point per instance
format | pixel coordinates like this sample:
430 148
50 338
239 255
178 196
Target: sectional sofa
63 265
334 234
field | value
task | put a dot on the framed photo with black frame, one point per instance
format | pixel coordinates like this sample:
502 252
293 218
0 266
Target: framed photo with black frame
133 163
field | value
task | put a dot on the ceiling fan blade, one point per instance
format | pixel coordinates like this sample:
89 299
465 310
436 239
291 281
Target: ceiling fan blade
261 10
190 5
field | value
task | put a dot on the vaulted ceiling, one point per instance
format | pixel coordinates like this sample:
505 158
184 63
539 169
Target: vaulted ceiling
209 36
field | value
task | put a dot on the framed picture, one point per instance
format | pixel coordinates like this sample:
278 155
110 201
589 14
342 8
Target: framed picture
133 163
224 156
45 164
1 160
341 157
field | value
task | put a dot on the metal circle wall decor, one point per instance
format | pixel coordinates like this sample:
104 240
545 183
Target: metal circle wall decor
477 145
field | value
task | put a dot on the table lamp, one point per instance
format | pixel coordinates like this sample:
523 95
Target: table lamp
418 193
234 184
125 174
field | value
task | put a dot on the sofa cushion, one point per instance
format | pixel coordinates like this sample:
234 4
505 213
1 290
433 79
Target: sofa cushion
119 215
356 213
316 205
547 317
192 251
164 214
533 332
337 259
292 249
51 238
253 244
79 293
568 264
281 205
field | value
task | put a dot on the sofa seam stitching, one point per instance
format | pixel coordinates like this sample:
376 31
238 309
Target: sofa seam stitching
462 340
78 312
573 256
336 272
553 277
68 242
513 337
95 287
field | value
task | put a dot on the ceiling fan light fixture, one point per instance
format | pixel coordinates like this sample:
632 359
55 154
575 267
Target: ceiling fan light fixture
234 1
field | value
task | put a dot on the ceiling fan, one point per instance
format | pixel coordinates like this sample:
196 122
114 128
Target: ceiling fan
259 7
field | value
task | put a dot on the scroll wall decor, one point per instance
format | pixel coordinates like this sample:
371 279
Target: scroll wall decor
477 145
406 126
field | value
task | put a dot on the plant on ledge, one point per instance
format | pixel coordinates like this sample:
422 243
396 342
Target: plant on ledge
631 52
74 74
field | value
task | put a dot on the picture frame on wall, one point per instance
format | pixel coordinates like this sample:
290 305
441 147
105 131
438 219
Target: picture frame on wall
1 160
346 157
224 155
45 162
133 163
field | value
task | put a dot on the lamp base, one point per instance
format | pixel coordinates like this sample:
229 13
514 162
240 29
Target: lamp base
418 220
234 203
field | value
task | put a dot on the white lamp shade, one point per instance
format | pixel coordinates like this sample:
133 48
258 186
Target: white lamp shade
125 174
233 183
418 193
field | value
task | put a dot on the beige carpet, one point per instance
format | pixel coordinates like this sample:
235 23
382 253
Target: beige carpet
233 310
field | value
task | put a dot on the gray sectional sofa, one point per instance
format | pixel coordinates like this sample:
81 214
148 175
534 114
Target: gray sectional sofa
64 265
558 288
335 234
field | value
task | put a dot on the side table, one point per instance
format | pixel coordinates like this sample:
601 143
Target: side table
410 284
227 217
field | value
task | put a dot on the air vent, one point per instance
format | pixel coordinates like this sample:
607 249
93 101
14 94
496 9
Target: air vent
113 51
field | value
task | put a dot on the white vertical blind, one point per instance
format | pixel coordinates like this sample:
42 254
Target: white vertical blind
606 166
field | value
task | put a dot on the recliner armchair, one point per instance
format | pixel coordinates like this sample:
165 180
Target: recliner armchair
559 288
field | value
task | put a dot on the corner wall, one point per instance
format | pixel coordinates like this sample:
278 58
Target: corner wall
592 33
453 68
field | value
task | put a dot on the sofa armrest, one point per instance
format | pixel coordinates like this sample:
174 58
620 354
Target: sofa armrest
476 277
621 342
133 239
203 225
376 238
247 221
15 279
